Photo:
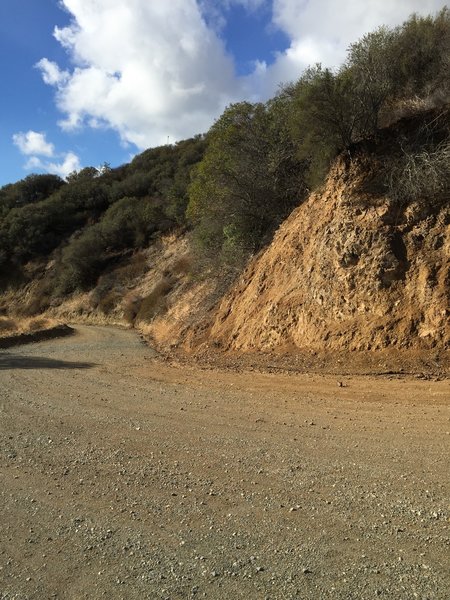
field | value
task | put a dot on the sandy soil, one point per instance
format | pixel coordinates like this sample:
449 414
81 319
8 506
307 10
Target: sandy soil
126 477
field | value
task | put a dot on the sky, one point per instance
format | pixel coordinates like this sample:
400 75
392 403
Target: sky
88 82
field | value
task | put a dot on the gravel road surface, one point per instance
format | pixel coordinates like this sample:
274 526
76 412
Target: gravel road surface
122 476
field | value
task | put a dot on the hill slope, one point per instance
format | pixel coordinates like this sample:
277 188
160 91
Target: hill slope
349 269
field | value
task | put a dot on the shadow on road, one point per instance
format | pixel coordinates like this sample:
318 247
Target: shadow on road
13 361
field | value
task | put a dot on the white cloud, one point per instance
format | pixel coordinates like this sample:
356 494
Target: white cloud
51 73
69 162
35 146
147 69
33 162
33 142
150 69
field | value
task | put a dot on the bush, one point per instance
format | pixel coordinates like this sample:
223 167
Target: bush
130 222
136 267
243 187
131 306
333 110
323 120
40 299
110 301
420 175
81 262
109 291
32 189
38 324
421 56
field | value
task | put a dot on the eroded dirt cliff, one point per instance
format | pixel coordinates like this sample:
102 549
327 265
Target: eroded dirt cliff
349 269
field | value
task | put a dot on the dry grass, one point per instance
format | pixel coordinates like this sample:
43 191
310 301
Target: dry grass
144 285
134 269
409 107
155 303
130 306
188 306
7 325
17 325
424 174
78 309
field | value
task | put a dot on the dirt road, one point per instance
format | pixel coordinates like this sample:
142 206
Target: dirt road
122 477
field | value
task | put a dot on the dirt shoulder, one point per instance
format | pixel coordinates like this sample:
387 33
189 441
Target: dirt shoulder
420 364
19 339
127 476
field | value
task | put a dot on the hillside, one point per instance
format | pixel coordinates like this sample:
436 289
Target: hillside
349 269
316 221
353 268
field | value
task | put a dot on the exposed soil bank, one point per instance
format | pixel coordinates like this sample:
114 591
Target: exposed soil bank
348 271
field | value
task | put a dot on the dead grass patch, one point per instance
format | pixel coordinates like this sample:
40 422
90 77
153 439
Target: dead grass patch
18 325
7 325
155 303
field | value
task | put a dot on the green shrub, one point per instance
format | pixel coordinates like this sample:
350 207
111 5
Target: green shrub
242 189
333 110
421 56
81 262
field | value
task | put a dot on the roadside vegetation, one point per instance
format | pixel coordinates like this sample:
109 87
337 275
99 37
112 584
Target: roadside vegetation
231 188
12 327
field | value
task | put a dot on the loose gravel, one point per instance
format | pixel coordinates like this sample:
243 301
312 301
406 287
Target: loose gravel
126 478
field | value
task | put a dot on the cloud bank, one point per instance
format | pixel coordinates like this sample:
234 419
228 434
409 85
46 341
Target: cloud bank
35 146
153 69
147 69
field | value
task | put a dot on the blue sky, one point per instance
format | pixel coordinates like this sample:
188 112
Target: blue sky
94 81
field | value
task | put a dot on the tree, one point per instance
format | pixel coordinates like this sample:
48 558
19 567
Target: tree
390 65
237 197
86 173
371 68
32 189
324 118
422 56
